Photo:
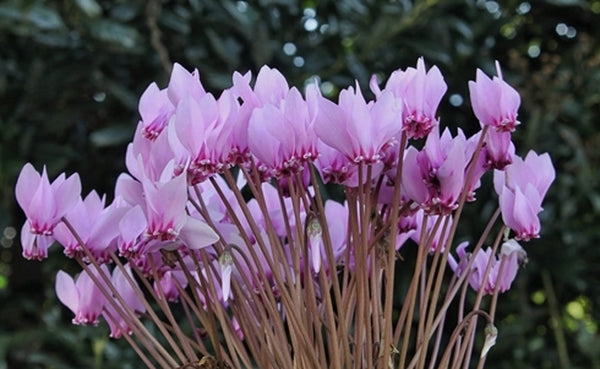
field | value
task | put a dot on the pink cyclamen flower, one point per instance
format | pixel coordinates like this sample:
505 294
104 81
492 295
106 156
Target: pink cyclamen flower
198 129
95 225
45 204
434 177
421 92
521 189
357 129
167 220
82 296
281 135
495 103
503 269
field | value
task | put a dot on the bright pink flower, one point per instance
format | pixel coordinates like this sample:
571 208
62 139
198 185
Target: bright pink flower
521 189
199 131
495 103
82 296
154 159
280 135
421 92
356 129
434 177
44 203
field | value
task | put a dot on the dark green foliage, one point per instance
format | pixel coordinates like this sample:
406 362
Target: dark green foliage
71 73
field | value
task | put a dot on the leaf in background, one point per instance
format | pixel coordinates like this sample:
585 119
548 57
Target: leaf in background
114 33
45 18
568 3
111 135
226 47
125 12
90 7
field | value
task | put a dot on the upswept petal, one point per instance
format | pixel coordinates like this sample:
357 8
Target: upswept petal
27 184
196 234
66 291
183 83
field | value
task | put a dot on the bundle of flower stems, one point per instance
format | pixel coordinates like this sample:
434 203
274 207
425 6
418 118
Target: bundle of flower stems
224 248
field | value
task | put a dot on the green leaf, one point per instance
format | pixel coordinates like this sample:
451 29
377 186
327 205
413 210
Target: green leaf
45 18
115 33
90 7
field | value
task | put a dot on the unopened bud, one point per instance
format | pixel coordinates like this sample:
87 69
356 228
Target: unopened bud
512 246
491 333
314 232
226 264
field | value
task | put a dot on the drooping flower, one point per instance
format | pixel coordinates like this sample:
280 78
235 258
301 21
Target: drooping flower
521 189
503 269
82 296
421 92
43 203
280 135
435 176
198 129
167 220
358 129
495 103
95 226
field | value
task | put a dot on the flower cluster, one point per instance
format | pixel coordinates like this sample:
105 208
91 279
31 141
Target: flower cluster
222 211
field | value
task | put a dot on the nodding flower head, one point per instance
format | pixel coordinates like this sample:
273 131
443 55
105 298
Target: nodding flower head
495 102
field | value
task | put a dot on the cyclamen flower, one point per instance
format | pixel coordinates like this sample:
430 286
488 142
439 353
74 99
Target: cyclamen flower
434 177
198 129
420 92
503 270
167 220
95 225
82 296
521 189
357 129
281 136
495 103
45 204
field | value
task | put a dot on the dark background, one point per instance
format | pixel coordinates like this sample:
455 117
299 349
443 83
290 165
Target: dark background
71 73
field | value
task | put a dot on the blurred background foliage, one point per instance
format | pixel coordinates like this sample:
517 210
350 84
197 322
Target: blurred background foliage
71 73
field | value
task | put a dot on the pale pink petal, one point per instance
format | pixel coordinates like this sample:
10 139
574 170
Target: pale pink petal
196 234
